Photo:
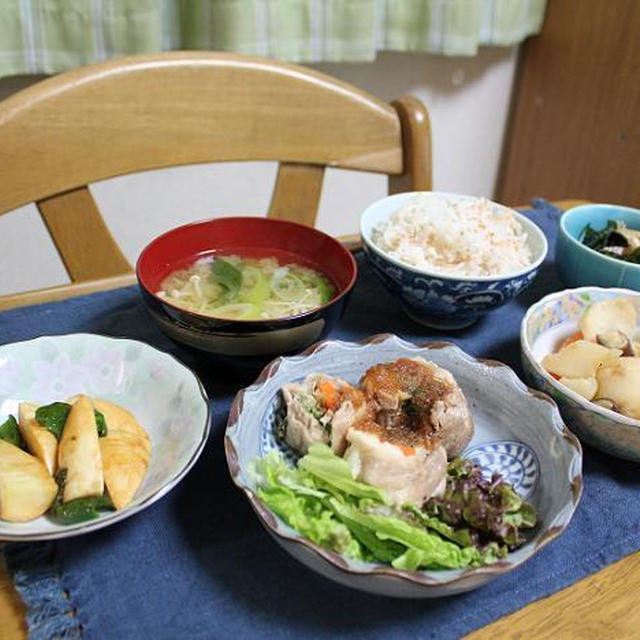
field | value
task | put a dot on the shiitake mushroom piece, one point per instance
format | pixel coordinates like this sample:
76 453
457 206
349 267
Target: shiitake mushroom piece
615 340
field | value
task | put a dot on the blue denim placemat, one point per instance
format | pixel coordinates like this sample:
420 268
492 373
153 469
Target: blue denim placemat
197 564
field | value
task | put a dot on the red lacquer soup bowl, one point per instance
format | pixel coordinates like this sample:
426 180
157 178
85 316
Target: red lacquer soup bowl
288 242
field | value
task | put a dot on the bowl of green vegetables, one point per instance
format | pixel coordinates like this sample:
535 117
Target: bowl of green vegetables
599 245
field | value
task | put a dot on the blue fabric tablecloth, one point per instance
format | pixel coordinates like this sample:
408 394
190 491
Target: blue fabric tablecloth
197 564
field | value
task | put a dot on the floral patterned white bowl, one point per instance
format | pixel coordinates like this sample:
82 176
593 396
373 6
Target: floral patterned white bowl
545 325
166 398
518 432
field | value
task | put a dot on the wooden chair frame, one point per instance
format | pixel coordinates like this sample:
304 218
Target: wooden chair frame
147 112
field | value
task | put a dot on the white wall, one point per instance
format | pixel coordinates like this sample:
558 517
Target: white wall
468 101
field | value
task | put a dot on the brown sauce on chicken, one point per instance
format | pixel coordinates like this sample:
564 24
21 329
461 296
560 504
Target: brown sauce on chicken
401 395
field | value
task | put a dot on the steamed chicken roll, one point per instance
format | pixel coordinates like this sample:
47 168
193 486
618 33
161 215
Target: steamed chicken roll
407 470
321 409
418 395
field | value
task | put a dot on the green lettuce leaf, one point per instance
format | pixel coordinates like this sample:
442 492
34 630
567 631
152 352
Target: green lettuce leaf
461 537
291 494
322 463
308 516
382 550
525 517
436 553
273 471
493 552
322 501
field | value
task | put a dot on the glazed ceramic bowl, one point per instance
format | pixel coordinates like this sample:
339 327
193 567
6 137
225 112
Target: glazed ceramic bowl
250 237
578 265
518 432
545 325
439 300
165 397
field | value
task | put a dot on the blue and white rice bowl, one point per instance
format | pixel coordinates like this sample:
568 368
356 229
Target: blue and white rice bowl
437 299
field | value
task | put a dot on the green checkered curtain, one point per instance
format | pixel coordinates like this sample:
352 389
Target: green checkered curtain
46 36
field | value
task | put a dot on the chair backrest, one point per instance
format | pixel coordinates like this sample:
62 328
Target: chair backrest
147 112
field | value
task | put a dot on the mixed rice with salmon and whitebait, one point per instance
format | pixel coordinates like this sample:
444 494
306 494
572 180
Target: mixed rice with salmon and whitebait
455 237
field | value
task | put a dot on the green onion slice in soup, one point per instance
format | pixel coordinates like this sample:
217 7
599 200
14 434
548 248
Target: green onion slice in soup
233 287
288 287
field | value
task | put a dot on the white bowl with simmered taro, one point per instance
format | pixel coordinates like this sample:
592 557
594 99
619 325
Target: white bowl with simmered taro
582 346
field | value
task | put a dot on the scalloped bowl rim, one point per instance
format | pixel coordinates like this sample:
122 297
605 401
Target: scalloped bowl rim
526 348
273 322
592 252
440 275
68 531
364 569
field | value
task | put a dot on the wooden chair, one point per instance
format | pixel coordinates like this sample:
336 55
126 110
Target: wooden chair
146 112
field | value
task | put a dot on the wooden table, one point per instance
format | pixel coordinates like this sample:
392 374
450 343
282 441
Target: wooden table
603 605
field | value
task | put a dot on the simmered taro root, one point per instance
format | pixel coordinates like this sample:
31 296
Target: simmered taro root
614 314
586 387
321 409
580 359
601 361
619 383
413 396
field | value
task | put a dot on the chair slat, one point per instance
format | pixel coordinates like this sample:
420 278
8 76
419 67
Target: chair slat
416 144
82 238
297 193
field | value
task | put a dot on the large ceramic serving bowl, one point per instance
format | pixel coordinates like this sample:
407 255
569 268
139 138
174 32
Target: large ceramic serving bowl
578 265
437 299
166 398
545 325
249 237
518 432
